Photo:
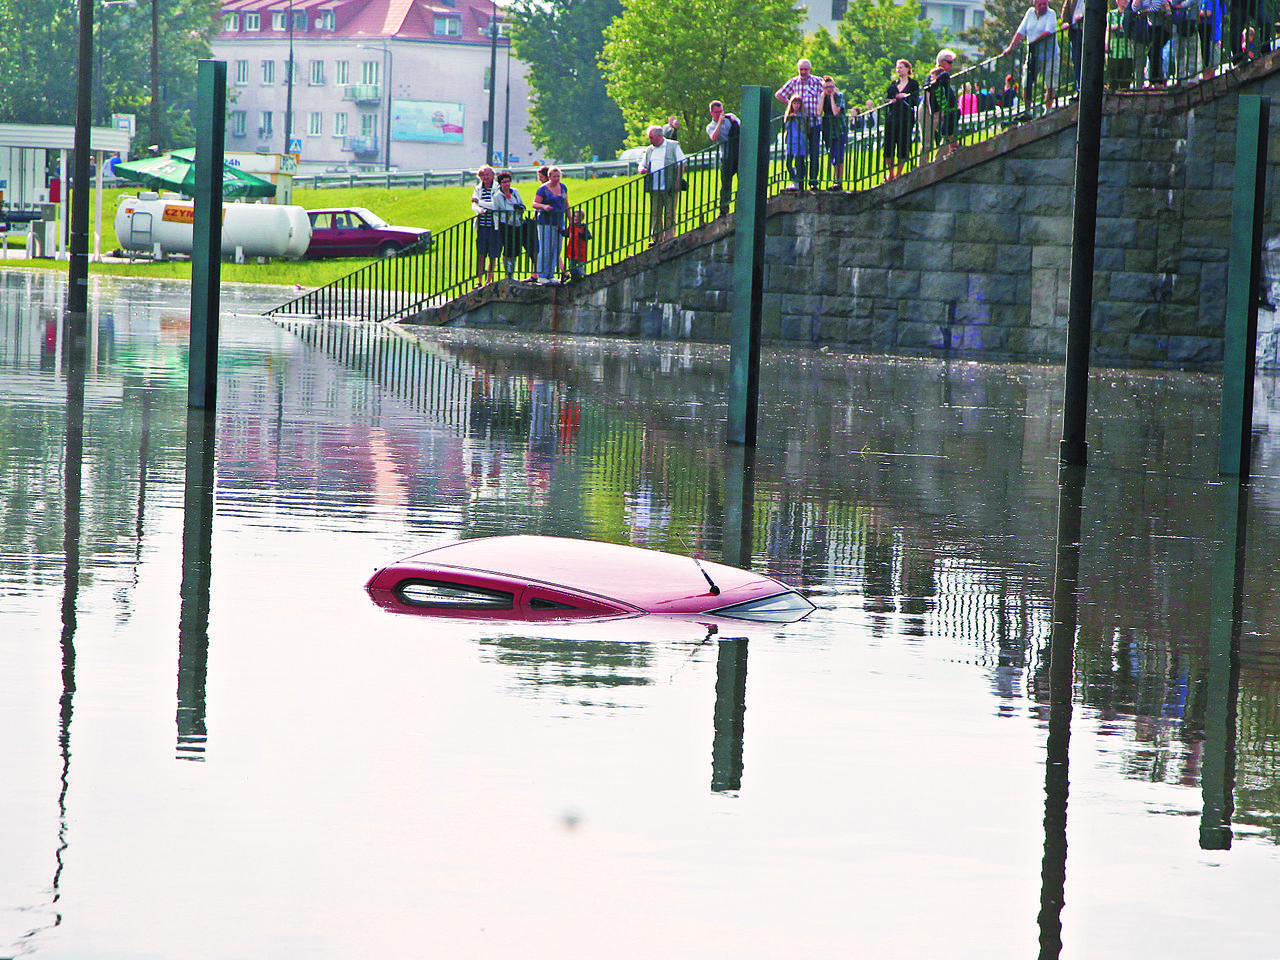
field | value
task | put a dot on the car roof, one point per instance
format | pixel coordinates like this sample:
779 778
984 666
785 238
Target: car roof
648 579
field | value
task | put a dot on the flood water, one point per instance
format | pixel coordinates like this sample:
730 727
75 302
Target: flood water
996 736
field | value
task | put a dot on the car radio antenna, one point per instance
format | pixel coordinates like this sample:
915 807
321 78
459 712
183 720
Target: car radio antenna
715 591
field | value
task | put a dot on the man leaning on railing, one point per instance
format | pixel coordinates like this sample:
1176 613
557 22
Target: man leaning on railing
663 168
1039 27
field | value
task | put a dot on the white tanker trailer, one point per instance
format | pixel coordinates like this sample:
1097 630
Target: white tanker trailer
161 225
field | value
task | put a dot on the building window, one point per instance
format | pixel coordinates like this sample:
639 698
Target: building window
315 124
299 21
238 121
342 73
339 124
266 129
484 131
488 76
957 18
231 22
242 72
838 9
277 20
268 72
325 21
368 125
448 27
252 21
978 16
316 78
369 72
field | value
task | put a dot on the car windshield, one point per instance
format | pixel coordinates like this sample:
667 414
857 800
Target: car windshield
369 217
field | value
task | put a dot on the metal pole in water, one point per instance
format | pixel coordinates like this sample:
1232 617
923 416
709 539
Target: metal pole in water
78 272
1244 278
206 250
1072 449
748 265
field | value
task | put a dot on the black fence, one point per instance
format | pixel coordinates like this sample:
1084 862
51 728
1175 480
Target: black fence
872 145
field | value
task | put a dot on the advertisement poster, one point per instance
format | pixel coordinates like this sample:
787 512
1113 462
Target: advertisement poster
426 121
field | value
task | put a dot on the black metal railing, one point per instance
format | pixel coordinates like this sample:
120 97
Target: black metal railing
985 99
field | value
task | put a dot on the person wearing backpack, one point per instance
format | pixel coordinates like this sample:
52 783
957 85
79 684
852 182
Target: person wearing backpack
724 129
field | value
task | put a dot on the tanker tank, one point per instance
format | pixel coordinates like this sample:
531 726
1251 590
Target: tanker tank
163 225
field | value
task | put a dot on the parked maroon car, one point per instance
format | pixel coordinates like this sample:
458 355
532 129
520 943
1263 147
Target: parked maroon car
357 232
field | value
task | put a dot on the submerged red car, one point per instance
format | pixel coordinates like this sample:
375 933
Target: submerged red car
557 578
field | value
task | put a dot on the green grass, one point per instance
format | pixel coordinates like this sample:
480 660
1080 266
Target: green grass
435 208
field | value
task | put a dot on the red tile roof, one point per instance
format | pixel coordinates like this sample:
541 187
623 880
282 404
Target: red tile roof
376 19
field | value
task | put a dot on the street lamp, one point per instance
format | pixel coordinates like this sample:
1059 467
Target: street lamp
493 77
288 87
156 136
388 61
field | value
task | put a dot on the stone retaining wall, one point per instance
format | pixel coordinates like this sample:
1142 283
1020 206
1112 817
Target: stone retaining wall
969 256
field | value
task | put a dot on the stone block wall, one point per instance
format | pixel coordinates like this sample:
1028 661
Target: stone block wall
971 256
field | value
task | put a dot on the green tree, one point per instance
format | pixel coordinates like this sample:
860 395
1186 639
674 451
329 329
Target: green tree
570 113
39 54
995 31
874 35
664 58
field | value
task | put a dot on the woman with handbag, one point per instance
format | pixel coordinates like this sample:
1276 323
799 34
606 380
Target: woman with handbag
509 222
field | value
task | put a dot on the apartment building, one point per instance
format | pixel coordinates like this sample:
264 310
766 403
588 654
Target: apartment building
376 84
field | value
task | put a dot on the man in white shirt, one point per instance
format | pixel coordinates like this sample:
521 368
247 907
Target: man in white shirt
1039 27
663 169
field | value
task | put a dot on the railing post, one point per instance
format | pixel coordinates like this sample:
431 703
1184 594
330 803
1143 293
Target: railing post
1244 274
748 266
1072 449
206 251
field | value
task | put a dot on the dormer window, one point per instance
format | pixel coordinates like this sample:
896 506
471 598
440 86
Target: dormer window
231 22
448 26
253 21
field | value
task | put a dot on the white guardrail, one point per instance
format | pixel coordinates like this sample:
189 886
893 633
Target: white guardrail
464 177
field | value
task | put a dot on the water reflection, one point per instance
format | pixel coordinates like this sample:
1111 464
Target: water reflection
1057 776
914 500
197 562
1222 685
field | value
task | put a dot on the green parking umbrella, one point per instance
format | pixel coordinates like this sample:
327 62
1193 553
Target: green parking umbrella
176 171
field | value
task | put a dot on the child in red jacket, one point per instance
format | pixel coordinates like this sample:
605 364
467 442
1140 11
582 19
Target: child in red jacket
575 245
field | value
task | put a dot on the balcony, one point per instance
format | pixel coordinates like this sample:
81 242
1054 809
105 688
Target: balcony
363 93
361 146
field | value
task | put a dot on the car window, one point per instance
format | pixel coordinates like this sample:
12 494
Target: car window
321 221
456 596
342 221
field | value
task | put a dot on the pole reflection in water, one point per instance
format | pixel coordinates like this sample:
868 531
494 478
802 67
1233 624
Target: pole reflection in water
731 657
1062 638
1217 779
75 346
197 549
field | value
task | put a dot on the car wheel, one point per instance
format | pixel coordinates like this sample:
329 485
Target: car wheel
388 249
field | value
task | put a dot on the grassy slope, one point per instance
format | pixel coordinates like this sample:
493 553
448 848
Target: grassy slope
436 207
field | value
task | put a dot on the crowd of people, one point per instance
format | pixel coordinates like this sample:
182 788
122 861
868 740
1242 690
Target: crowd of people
1148 44
553 237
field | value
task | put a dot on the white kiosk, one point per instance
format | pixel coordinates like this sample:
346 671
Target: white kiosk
25 190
